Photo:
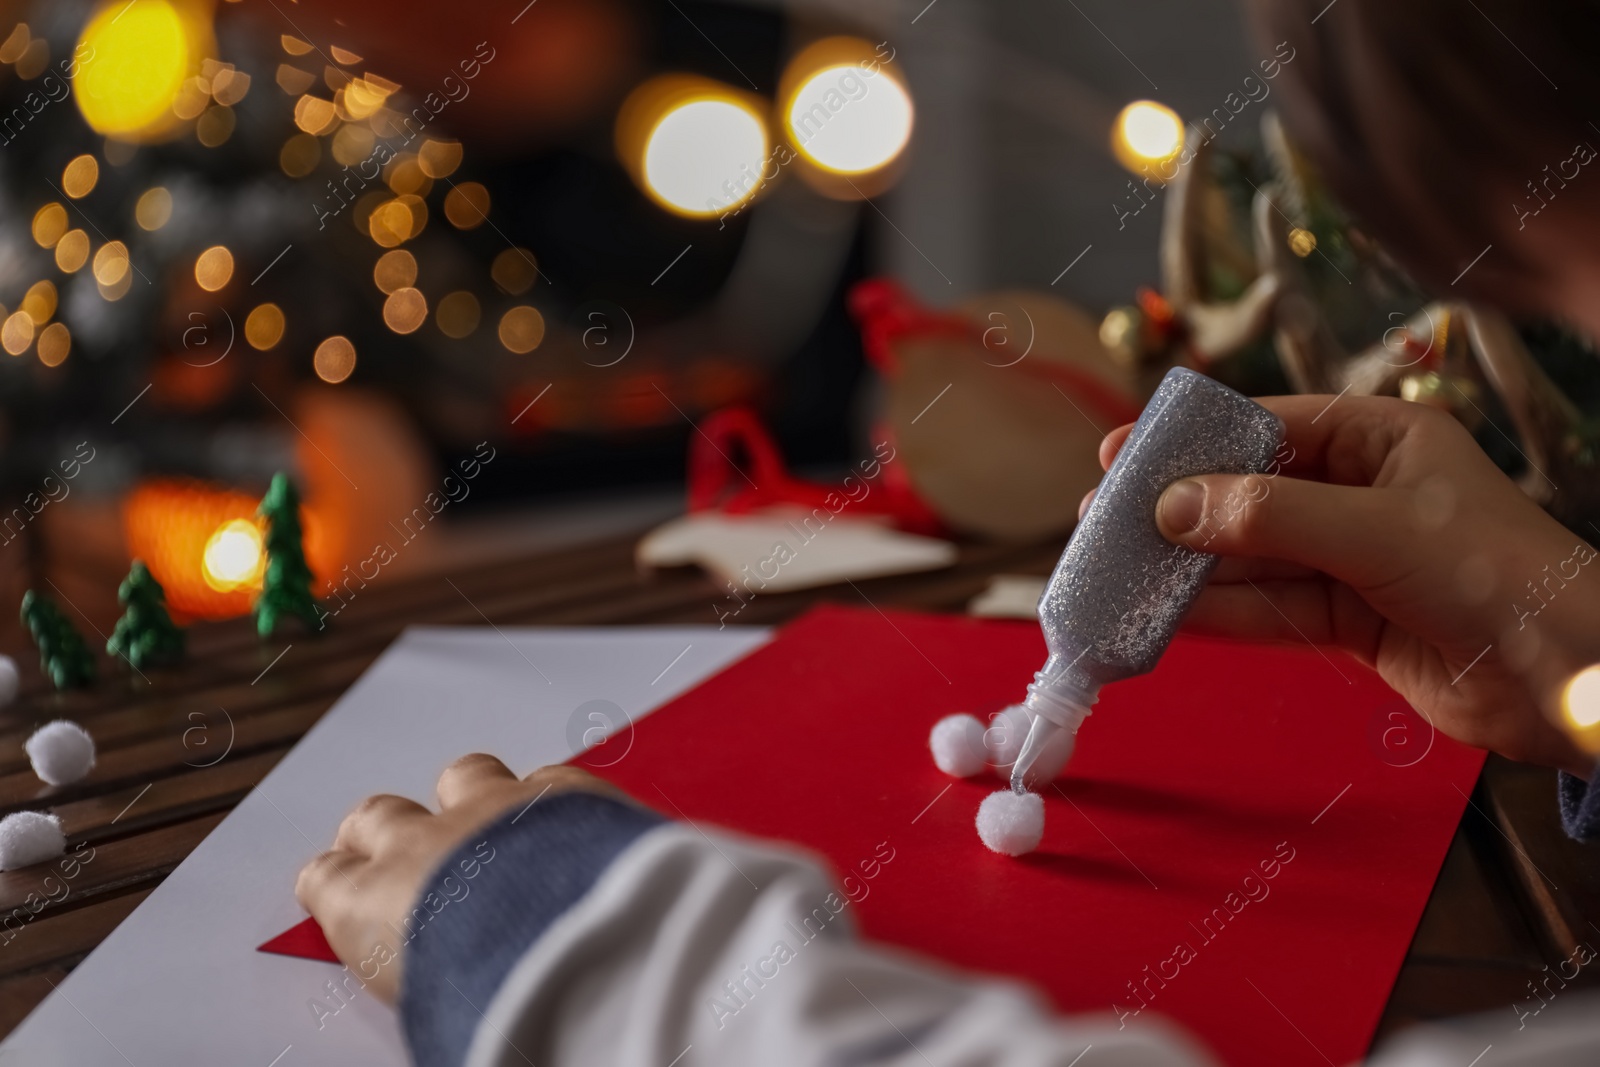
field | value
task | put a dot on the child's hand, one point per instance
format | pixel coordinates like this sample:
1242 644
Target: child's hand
361 891
1400 541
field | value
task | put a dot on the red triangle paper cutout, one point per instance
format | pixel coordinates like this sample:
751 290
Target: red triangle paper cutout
304 939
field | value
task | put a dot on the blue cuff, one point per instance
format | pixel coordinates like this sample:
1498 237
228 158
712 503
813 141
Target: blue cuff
490 901
1580 805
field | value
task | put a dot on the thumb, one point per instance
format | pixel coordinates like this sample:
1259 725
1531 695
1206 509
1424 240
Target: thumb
1352 533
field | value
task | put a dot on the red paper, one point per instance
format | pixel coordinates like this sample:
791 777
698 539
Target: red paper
304 939
1187 785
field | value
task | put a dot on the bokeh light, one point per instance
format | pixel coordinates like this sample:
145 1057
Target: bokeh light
263 327
16 333
49 224
439 159
79 176
213 268
405 310
1146 132
335 359
72 251
521 329
394 270
1580 700
233 556
39 303
467 205
111 263
696 147
55 344
300 155
843 109
153 209
215 126
143 52
458 314
515 270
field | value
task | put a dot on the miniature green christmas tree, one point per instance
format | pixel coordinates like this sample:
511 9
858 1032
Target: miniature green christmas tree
286 588
63 656
145 635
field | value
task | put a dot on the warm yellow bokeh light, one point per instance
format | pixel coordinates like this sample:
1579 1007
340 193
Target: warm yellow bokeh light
394 270
213 268
49 224
521 329
111 263
300 155
233 556
467 205
215 126
439 159
55 344
1580 701
514 270
153 209
1146 132
458 314
849 119
335 359
263 327
705 156
396 221
79 176
1302 242
16 333
405 310
39 302
143 51
315 115
72 251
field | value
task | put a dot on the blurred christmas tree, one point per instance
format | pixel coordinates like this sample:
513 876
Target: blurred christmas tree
63 656
145 635
286 588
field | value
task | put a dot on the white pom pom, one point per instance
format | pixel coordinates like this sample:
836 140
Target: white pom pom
10 681
61 752
1004 737
1011 823
957 744
29 837
1006 734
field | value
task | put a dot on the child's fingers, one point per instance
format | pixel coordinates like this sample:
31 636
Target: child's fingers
470 776
326 879
1112 444
376 821
1236 570
1345 531
1299 612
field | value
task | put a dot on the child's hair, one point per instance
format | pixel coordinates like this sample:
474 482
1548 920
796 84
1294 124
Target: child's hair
1435 121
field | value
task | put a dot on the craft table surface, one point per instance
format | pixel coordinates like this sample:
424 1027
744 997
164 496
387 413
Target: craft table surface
1513 896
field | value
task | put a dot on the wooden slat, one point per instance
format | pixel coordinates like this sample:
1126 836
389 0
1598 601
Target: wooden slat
58 940
114 866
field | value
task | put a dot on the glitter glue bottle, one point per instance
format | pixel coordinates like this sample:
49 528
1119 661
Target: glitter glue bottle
1121 589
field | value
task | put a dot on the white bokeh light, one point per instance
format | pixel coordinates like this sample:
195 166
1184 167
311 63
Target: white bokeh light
1582 697
1150 130
849 119
705 157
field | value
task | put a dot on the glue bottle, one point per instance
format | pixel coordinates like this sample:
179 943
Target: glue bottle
1121 589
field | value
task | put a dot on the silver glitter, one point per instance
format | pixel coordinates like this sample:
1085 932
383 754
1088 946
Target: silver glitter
1121 589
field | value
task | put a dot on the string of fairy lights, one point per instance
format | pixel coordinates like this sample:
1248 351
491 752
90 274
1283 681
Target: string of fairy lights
145 71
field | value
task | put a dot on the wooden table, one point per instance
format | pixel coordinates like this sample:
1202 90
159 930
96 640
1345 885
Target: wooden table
1514 894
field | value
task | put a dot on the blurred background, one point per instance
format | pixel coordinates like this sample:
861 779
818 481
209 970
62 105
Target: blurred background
528 246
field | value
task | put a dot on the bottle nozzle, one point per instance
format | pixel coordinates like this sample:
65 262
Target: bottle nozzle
1039 735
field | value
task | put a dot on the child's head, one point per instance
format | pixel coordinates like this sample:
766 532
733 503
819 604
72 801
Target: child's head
1449 128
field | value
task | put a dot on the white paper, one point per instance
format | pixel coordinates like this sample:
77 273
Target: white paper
787 548
1009 596
181 982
